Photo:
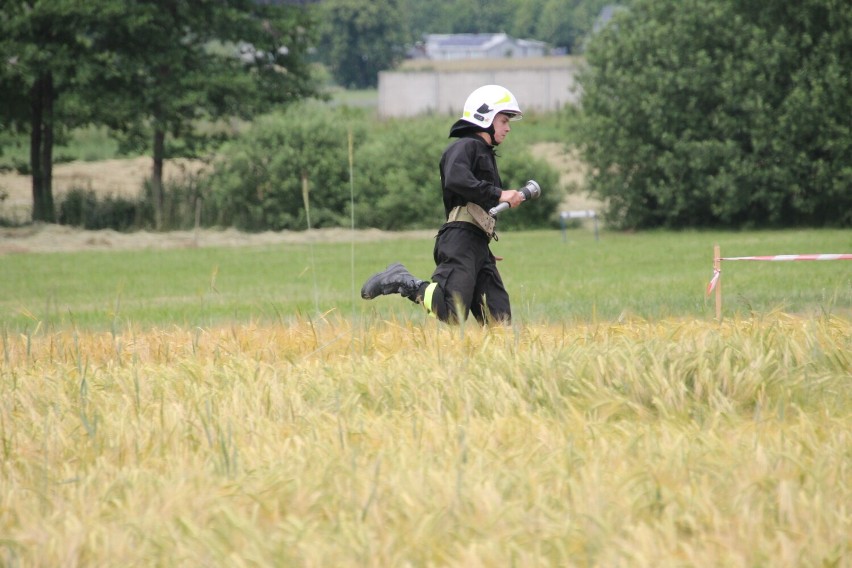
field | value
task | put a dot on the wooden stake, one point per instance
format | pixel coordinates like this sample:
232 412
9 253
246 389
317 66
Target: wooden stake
717 268
306 198
352 219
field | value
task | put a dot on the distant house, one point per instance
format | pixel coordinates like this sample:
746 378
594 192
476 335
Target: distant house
478 46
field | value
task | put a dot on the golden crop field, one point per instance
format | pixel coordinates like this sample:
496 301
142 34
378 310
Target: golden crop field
410 443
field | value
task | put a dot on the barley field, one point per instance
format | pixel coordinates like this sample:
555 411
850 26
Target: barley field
210 405
404 442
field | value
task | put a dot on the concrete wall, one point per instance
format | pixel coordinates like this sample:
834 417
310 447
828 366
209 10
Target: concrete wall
409 93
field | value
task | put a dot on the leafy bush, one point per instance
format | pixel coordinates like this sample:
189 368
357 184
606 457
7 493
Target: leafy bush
257 184
258 181
400 182
183 199
398 185
83 208
516 167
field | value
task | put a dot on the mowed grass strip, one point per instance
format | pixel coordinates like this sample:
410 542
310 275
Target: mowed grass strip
344 442
551 277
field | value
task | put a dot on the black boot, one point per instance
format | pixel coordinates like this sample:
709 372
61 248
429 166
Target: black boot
395 279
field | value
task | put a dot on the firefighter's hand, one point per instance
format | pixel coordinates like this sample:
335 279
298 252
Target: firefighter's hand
498 258
512 197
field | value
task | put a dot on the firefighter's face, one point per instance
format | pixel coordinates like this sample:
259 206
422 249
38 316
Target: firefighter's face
501 127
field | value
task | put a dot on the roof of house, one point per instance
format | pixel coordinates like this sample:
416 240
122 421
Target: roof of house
465 40
475 42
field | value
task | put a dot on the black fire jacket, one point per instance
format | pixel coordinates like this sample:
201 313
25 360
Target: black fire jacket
469 174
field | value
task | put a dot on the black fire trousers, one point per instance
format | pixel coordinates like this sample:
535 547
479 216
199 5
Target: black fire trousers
467 277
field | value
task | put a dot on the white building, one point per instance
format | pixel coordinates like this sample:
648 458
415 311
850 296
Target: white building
540 84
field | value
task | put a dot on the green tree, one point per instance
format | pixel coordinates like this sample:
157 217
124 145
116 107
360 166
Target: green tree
481 16
525 19
586 16
43 55
359 39
178 63
719 114
146 68
556 23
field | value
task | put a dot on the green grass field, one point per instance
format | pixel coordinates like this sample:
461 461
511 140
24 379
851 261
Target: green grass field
241 407
550 278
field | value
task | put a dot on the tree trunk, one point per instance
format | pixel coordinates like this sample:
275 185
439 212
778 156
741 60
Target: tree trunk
157 176
41 148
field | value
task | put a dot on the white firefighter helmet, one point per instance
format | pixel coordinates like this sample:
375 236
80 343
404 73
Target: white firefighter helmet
484 103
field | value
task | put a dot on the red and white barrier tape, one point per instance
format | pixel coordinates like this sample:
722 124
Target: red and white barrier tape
794 257
778 257
712 284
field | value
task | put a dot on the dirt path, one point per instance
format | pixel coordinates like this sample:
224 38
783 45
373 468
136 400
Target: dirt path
57 238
